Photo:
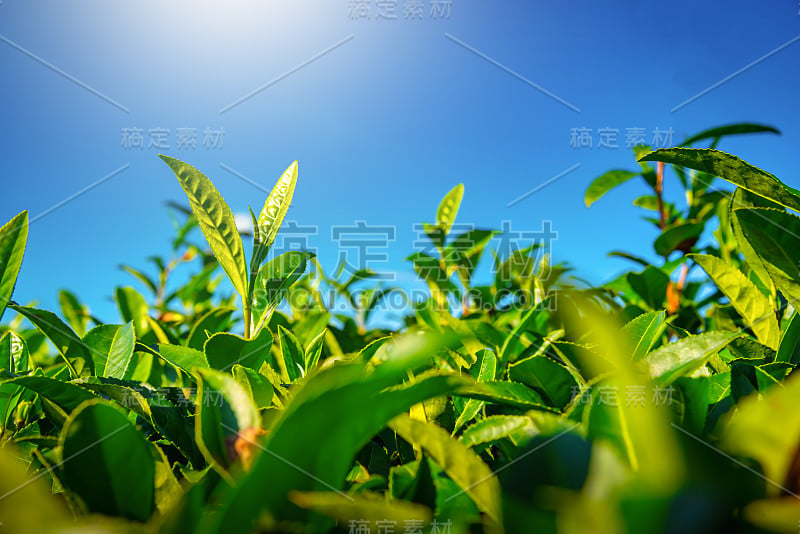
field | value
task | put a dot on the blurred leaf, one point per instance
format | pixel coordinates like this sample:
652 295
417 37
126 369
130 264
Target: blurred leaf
650 285
448 208
369 513
73 311
767 428
28 504
143 278
133 308
605 183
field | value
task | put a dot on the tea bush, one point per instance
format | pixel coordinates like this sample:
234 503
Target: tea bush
661 401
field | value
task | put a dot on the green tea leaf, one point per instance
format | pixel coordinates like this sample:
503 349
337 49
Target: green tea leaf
787 350
273 282
224 350
546 376
71 348
681 236
494 428
605 183
13 237
213 321
259 388
506 393
307 440
67 396
749 302
107 462
121 352
667 363
72 310
742 198
732 169
183 358
271 216
487 372
643 332
730 129
459 462
292 355
775 236
650 285
98 341
133 308
216 221
314 351
448 208
14 356
224 409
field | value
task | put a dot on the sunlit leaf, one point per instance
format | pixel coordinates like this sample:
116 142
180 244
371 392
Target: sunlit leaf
13 237
730 168
448 208
749 302
216 221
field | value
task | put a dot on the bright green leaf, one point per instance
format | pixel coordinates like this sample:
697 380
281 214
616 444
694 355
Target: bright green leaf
216 221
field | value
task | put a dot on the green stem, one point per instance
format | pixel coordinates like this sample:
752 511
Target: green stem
247 314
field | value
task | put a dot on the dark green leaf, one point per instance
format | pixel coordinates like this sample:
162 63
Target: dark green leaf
107 462
732 169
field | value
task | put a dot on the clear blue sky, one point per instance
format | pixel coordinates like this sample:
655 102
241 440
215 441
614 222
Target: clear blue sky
383 124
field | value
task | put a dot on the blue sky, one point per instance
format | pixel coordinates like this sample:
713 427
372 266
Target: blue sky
384 115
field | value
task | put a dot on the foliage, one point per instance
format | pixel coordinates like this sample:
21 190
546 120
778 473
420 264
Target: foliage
659 401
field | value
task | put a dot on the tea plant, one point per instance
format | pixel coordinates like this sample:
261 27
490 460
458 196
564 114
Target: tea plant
660 401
